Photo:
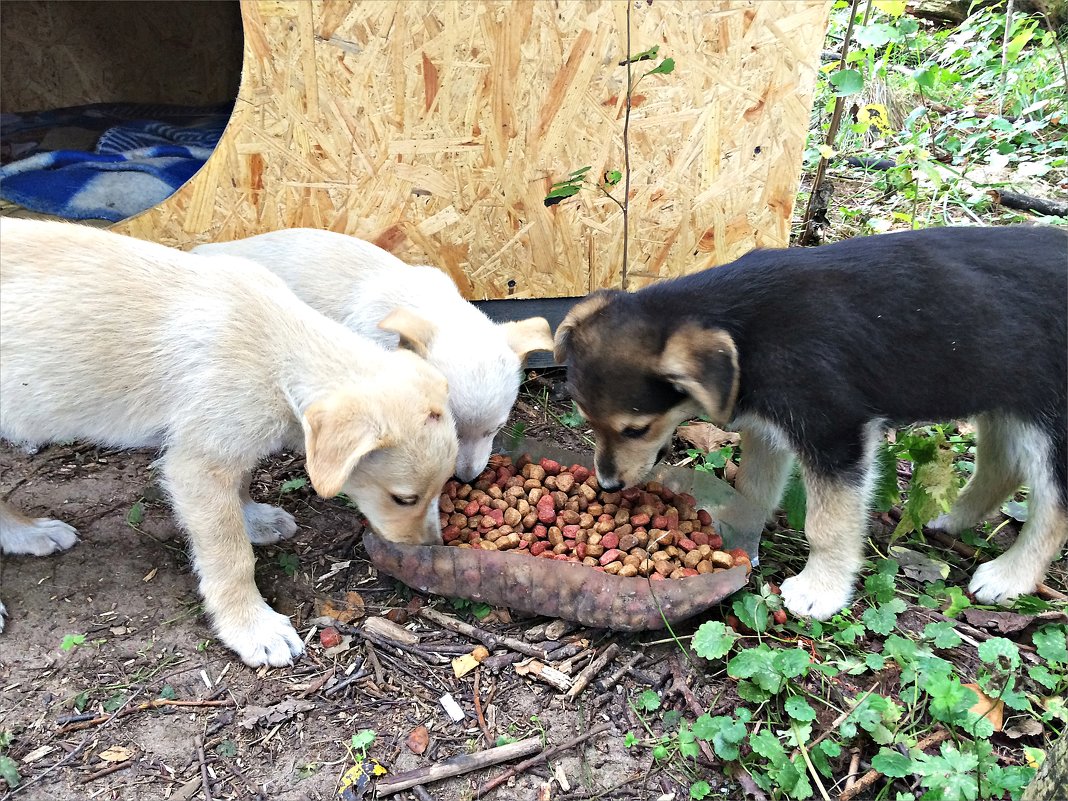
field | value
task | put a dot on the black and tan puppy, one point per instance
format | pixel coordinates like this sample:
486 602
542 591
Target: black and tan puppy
815 352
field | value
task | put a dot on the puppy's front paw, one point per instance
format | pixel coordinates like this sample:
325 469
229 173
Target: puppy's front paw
1000 581
38 537
266 524
947 524
260 636
811 595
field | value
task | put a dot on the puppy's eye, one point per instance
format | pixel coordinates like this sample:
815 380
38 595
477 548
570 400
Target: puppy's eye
635 432
405 500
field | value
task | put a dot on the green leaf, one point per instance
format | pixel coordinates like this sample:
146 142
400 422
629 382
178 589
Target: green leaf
292 485
749 691
227 748
660 753
688 743
612 177
1050 643
791 663
876 35
942 634
9 771
752 612
794 502
881 619
756 664
665 67
958 601
70 641
136 514
289 563
848 635
713 640
167 693
874 662
995 649
768 746
891 763
950 700
567 190
1040 674
580 173
114 702
629 741
645 55
799 709
362 739
847 82
700 789
648 701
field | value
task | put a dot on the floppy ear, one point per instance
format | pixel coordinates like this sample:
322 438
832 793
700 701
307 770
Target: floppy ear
338 432
703 362
526 336
579 313
415 333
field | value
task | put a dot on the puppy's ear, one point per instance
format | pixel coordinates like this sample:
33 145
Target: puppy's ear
579 313
526 336
415 333
703 363
338 432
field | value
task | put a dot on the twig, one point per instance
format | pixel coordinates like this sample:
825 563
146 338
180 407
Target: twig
612 680
318 684
808 761
488 639
854 768
679 683
199 743
595 667
869 778
838 721
832 132
153 704
625 205
68 758
492 784
421 794
100 774
457 766
478 711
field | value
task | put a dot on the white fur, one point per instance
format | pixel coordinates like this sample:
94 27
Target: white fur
359 284
131 344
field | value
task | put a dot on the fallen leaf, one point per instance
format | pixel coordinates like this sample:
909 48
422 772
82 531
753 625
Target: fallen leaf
116 753
341 647
987 707
462 665
919 566
418 740
357 780
707 437
1011 622
1027 727
151 574
38 753
277 713
345 610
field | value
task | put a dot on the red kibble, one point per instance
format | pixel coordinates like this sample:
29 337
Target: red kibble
450 533
687 544
540 531
570 532
610 555
657 577
610 540
699 537
547 510
580 473
640 520
471 509
550 467
660 521
779 616
330 637
523 545
715 541
539 547
704 517
689 571
580 550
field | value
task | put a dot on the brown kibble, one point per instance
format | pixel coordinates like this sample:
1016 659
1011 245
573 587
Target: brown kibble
613 568
565 482
627 571
691 559
512 517
722 559
704 566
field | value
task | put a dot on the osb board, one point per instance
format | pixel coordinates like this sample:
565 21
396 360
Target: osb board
436 128
57 53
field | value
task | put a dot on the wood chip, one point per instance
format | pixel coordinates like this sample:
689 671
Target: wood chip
388 630
539 670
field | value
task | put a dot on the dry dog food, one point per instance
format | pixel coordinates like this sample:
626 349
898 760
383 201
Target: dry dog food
546 510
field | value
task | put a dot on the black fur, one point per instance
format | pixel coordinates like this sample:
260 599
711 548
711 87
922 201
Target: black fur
938 324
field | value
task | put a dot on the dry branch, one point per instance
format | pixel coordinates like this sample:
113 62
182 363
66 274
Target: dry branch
457 766
544 755
487 638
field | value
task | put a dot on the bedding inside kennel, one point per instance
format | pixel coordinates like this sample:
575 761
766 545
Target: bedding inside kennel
107 107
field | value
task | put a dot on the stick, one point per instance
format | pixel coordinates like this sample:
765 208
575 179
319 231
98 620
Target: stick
478 711
869 778
68 758
421 794
679 683
199 743
92 777
544 755
612 680
491 641
808 761
457 766
153 704
854 768
318 684
592 669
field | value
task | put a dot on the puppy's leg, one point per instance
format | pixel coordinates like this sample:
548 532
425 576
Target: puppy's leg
205 494
1021 568
999 470
34 537
761 478
265 523
835 527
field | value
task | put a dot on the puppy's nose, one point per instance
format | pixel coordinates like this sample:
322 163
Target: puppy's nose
610 484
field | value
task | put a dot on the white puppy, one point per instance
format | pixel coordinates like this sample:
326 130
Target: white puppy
128 343
361 285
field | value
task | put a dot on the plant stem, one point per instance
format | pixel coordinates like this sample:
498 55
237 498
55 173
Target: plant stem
625 205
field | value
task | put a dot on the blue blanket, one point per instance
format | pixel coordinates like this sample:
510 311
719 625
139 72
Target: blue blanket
135 164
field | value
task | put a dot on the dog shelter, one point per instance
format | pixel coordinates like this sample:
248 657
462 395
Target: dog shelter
435 128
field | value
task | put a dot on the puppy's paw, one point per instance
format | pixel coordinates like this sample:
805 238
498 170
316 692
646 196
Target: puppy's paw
38 537
260 636
947 523
1000 581
810 595
266 524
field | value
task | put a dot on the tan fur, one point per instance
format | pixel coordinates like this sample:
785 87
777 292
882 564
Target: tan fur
703 363
130 344
415 333
528 336
579 313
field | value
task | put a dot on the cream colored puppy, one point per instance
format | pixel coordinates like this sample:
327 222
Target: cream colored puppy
128 343
362 285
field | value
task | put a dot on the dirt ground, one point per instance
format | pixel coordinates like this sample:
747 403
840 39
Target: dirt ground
127 586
